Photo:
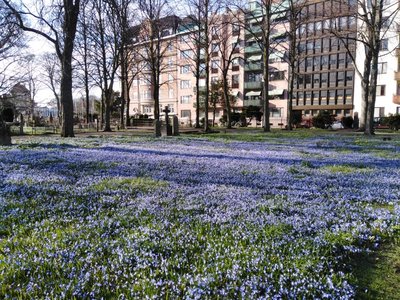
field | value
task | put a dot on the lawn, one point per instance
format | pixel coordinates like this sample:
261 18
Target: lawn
222 216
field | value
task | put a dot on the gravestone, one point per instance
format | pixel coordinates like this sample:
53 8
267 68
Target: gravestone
168 127
175 126
157 128
5 135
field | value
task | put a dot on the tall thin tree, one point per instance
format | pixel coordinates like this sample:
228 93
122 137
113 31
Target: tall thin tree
58 25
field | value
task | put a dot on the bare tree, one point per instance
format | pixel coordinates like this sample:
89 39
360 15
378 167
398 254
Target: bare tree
82 58
51 77
228 42
375 20
129 73
261 31
294 11
192 28
11 43
57 23
105 36
152 47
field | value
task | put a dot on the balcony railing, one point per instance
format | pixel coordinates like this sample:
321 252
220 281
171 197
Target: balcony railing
396 99
252 102
253 67
253 30
397 76
253 85
252 49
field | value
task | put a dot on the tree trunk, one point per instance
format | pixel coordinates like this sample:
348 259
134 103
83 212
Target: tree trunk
198 63
67 105
124 89
107 100
369 124
128 100
266 125
365 85
292 65
227 102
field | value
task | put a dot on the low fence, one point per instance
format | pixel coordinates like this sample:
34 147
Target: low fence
142 122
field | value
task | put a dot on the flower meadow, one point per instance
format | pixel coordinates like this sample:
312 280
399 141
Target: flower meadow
191 218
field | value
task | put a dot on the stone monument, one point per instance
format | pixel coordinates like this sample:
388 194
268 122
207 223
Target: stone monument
175 126
168 127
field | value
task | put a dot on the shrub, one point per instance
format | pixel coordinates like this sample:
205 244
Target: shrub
348 122
323 120
296 118
393 121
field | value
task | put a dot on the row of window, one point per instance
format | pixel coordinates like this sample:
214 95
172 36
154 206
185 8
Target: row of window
326 44
331 97
323 80
327 26
325 62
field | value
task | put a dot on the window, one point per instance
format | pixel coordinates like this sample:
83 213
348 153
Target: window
235 46
171 108
214 30
278 75
379 112
384 45
146 95
235 64
185 69
340 78
184 38
185 54
170 62
382 68
214 47
342 60
185 84
235 29
185 113
348 95
186 99
170 47
145 80
326 24
147 109
332 79
166 32
380 90
235 81
275 112
171 93
214 66
170 77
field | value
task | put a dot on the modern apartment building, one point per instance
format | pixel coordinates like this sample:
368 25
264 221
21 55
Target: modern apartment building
325 72
325 75
230 45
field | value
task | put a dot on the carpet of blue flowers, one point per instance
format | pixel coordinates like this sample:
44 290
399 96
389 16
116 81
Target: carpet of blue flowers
191 218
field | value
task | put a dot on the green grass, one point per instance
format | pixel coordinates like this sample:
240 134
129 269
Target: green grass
378 275
346 168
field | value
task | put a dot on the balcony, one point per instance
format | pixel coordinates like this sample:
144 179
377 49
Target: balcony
396 99
256 102
253 67
253 30
252 49
397 76
253 85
